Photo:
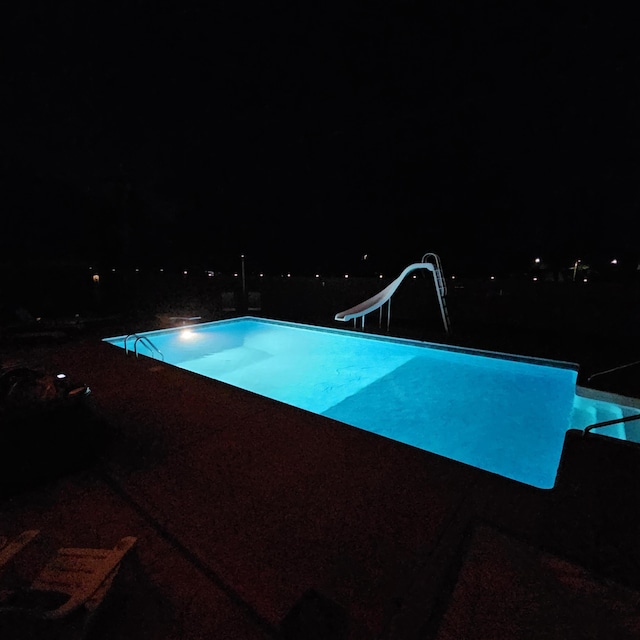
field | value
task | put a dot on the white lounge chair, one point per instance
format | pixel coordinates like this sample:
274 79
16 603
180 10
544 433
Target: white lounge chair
65 595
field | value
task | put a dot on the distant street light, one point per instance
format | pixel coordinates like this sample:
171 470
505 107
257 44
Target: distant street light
244 284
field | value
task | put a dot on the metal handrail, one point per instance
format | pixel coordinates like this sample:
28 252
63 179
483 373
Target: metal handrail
152 347
601 373
131 335
607 423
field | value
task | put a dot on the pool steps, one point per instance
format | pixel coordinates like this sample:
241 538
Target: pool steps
590 411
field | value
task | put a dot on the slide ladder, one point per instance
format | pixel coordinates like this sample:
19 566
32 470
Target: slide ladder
430 262
441 288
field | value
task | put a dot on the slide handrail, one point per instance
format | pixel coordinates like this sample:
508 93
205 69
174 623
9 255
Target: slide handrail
437 274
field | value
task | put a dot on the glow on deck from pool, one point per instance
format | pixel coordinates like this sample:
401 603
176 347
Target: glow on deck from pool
502 414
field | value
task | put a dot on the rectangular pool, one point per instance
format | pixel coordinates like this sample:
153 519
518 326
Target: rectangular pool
502 413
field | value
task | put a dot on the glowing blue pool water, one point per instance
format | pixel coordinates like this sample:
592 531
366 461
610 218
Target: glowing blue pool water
504 414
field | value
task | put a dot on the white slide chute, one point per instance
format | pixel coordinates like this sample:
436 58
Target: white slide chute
430 262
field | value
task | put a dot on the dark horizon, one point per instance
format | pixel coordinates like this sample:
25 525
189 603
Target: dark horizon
309 138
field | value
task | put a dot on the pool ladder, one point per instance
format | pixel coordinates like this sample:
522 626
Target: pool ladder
136 339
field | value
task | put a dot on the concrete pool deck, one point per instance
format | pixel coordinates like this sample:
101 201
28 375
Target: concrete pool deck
259 520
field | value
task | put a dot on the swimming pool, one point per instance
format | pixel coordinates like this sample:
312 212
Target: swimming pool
502 413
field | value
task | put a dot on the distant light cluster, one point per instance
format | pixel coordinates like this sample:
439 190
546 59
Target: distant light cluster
578 271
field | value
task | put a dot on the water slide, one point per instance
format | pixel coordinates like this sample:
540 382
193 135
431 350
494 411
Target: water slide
377 301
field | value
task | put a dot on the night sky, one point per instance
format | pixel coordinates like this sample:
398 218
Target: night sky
305 137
